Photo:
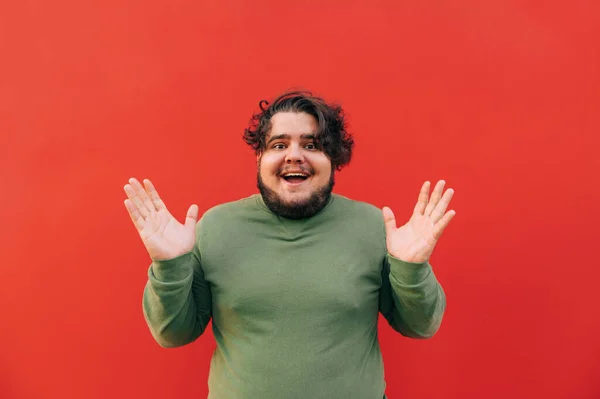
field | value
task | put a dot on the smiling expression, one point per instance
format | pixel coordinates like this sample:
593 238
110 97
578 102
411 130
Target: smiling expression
292 169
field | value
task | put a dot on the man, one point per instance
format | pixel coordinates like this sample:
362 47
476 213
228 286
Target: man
294 277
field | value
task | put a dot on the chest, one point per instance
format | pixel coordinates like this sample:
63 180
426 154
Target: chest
270 272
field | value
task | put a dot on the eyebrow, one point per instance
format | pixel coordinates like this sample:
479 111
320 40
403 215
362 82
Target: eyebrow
287 137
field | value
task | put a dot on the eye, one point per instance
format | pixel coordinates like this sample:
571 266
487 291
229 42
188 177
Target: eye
310 146
278 146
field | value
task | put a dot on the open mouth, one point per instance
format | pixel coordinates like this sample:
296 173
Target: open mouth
294 177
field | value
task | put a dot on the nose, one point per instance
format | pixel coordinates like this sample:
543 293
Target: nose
294 155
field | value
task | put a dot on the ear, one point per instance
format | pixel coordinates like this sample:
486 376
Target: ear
258 156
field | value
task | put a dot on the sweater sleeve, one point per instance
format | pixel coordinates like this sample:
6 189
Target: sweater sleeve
411 299
177 301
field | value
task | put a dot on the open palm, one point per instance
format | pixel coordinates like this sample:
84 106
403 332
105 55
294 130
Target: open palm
163 236
414 241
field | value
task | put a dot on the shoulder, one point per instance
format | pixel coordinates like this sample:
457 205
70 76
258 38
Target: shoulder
229 210
360 221
360 211
356 206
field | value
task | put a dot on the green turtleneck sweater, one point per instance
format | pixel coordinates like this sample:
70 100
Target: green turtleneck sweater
294 303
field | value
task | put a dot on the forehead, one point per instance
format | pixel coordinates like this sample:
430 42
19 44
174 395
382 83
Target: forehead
293 124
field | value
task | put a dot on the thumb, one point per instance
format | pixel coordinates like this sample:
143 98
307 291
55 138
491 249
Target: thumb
192 215
389 219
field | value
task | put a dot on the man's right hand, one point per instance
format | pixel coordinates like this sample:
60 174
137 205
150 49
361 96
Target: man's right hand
164 237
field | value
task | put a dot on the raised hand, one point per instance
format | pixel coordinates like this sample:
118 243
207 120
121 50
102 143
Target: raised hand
414 242
163 236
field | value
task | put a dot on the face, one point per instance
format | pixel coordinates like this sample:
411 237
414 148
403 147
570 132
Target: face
295 178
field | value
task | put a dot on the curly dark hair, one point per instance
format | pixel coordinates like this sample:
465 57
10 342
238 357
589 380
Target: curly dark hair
331 137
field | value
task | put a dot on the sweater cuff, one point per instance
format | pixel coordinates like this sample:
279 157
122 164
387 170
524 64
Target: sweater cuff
175 269
408 273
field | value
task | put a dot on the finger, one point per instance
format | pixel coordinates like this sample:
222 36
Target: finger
435 197
423 196
192 215
439 227
441 207
137 202
136 218
389 220
154 197
143 195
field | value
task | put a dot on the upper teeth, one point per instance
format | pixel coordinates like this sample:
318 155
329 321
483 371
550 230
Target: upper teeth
295 174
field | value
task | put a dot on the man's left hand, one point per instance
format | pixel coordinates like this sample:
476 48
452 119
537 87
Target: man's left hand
414 242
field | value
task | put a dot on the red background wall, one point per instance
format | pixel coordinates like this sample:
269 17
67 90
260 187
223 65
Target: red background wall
499 97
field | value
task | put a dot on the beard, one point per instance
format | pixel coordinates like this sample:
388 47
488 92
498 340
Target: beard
296 209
